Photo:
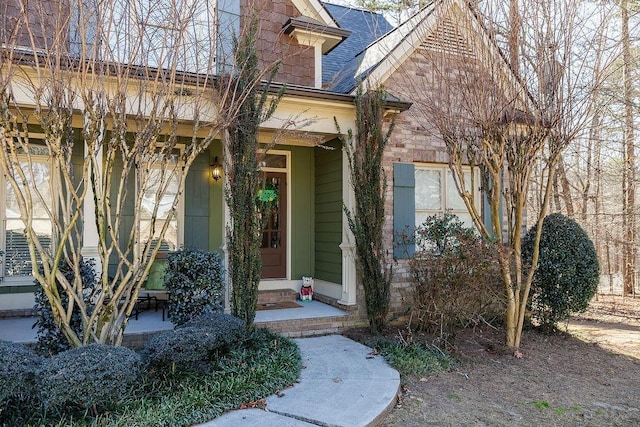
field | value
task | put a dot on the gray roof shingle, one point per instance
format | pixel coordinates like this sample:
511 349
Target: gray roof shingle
339 65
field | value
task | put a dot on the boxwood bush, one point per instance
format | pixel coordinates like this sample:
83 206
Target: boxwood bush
89 377
19 365
193 345
195 283
568 270
50 338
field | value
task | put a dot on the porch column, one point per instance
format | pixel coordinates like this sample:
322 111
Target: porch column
226 219
348 241
225 254
90 238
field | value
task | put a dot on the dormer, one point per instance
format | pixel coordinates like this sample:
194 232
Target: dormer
321 37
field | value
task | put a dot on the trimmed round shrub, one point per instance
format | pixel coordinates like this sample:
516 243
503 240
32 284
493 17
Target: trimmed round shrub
18 372
568 270
195 283
192 346
50 338
89 377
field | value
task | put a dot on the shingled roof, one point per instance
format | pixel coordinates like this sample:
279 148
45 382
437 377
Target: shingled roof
366 27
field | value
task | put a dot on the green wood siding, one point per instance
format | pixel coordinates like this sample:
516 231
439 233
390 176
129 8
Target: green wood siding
302 214
126 219
328 213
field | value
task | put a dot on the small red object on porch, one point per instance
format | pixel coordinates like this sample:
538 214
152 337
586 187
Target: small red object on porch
306 291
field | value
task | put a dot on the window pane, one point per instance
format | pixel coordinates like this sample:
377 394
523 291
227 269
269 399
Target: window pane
150 195
421 217
428 189
466 219
275 161
170 241
454 201
157 181
40 181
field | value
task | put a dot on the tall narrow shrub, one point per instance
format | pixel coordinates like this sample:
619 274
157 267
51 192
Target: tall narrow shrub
244 233
364 153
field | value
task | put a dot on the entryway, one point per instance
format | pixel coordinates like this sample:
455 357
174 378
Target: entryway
274 238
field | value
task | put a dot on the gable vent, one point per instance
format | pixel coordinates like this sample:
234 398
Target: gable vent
447 38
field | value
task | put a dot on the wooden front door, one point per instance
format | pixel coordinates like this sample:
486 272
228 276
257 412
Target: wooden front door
274 238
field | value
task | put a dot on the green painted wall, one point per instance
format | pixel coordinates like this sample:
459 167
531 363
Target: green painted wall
328 213
126 218
302 212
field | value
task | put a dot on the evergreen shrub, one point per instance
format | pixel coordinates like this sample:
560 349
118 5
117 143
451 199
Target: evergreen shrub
88 377
193 345
195 283
50 339
18 373
568 270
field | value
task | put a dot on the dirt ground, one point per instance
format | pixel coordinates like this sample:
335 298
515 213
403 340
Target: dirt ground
589 376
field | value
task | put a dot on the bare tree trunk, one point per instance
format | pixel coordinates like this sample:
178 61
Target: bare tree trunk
629 253
561 175
515 26
556 195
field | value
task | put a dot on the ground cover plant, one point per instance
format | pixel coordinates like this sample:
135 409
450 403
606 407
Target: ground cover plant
414 358
256 366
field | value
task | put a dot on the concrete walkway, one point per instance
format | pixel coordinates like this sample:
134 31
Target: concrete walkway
341 384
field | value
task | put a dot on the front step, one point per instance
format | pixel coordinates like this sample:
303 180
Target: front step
275 296
299 328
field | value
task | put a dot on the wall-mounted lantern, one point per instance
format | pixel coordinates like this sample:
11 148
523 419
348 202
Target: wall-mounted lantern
216 169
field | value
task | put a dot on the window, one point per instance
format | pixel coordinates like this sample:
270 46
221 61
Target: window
436 193
17 260
192 35
166 181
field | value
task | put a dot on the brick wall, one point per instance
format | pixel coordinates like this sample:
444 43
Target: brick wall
414 140
298 62
39 20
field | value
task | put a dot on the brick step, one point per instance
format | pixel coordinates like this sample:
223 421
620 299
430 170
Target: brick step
276 296
298 328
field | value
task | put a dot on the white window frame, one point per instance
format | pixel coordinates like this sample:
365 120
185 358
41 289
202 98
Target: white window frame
22 280
444 171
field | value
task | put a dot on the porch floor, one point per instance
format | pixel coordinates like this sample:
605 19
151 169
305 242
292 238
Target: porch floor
20 329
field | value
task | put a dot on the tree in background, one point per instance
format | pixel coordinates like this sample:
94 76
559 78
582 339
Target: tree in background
364 152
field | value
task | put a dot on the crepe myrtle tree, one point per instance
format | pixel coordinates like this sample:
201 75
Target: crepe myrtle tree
504 118
114 83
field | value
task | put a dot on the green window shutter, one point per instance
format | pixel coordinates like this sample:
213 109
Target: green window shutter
196 214
404 211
